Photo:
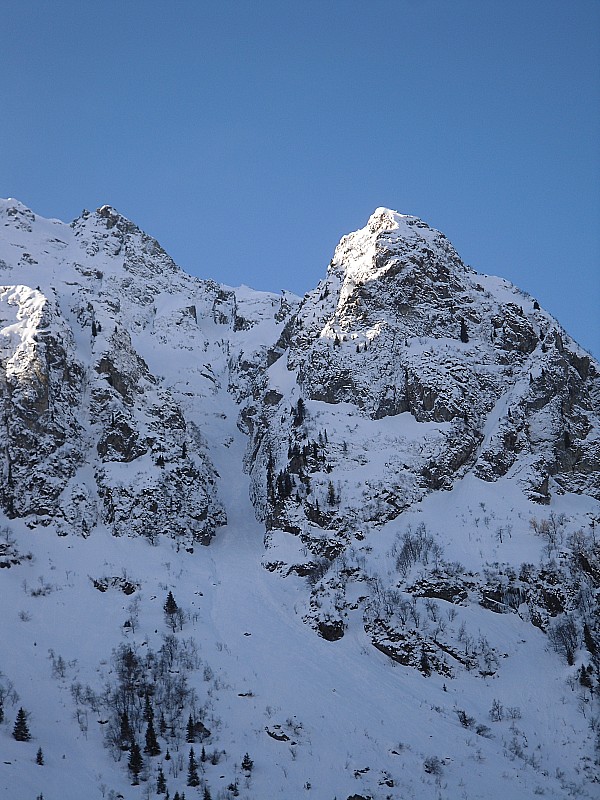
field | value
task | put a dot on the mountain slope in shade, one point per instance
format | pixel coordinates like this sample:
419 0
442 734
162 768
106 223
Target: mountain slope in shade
396 482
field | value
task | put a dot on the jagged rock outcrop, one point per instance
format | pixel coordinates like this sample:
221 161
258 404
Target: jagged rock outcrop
41 382
92 436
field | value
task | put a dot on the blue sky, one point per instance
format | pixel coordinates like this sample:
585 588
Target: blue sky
248 137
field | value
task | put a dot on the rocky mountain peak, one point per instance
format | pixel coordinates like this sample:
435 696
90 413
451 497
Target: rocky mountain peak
107 212
400 327
132 267
401 226
10 205
383 219
398 249
16 214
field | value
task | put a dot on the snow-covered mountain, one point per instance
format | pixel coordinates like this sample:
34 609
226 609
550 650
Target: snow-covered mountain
374 506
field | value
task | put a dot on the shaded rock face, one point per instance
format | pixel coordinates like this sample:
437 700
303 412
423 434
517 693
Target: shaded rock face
169 486
552 423
332 631
90 435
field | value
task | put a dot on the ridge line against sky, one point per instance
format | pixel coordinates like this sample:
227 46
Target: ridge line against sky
248 139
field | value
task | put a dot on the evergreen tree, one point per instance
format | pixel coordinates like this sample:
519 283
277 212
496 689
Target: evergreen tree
171 608
203 755
167 755
125 733
148 712
21 730
176 796
136 762
424 663
152 747
162 725
161 783
190 736
193 778
299 412
588 638
206 795
247 763
584 678
270 476
331 494
464 336
39 757
1 710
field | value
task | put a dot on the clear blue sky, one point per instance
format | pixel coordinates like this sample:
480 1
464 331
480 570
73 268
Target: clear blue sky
249 136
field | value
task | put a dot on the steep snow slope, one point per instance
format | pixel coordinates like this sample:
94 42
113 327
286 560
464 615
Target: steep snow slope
425 514
342 704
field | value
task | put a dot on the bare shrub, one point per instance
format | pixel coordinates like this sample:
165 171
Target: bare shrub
563 635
